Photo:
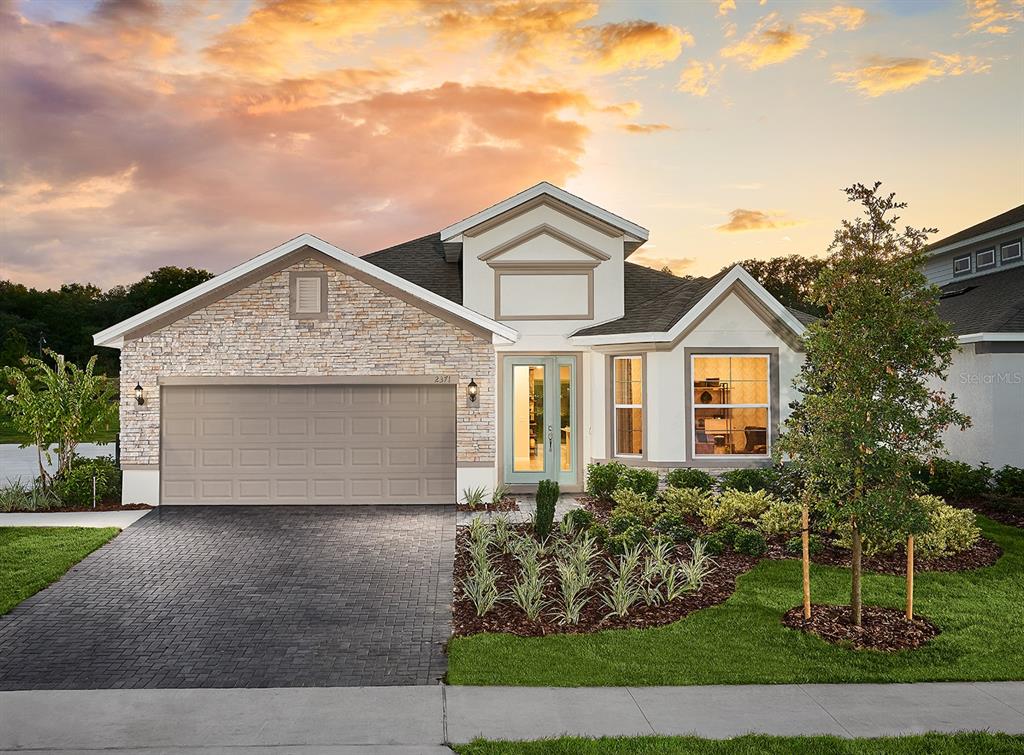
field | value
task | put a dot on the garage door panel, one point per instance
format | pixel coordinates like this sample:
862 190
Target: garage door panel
319 444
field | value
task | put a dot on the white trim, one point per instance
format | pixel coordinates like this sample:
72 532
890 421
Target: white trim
975 239
1014 258
977 259
637 232
736 275
961 258
113 336
991 337
767 406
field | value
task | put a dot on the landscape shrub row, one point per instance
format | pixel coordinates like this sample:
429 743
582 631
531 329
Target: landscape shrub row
73 488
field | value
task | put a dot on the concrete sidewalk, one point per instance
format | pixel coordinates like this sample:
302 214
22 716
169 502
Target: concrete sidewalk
423 719
120 519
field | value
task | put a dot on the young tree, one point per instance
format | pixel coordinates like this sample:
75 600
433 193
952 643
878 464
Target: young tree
62 404
869 413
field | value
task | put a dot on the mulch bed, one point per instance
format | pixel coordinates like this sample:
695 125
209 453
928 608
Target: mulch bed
984 553
1003 512
885 629
508 503
506 617
601 508
109 506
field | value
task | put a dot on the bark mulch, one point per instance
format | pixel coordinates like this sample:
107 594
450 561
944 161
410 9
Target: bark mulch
108 506
506 617
508 503
983 553
885 629
601 508
1008 511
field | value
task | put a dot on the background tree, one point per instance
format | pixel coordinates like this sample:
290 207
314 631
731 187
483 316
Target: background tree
789 279
63 404
869 414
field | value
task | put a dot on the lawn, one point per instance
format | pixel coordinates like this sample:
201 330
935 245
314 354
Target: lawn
922 744
9 435
33 557
742 641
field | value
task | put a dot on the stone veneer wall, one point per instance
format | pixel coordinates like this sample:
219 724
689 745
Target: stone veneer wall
249 332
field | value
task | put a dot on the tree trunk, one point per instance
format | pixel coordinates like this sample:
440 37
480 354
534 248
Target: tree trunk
855 604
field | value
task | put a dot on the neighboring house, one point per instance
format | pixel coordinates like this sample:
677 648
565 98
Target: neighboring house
981 271
515 345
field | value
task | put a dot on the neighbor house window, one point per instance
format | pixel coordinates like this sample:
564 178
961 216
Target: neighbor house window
962 265
1011 251
628 405
308 296
731 407
986 258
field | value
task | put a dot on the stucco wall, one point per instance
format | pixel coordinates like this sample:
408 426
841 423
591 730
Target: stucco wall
990 389
367 332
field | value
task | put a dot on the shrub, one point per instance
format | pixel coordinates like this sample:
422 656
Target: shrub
728 533
673 527
713 544
957 480
780 518
787 481
621 521
795 546
598 533
474 497
689 478
547 498
630 538
498 494
17 497
747 480
637 504
602 479
750 543
638 480
1010 481
73 487
687 501
737 507
950 530
580 519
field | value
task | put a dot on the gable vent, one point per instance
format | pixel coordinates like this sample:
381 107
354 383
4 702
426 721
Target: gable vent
307 296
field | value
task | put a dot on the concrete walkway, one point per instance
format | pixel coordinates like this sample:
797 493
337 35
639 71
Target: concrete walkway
22 464
119 519
422 719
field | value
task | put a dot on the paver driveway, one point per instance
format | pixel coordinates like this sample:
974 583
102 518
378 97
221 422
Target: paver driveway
245 597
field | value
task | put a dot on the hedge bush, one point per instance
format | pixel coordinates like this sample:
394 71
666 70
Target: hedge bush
547 499
737 507
780 518
689 478
795 546
957 480
1010 481
639 480
602 479
580 519
750 543
637 504
673 527
74 486
747 480
950 530
687 501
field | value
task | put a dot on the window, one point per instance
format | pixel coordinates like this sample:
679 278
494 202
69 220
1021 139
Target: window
986 258
731 408
308 296
962 265
1011 251
628 405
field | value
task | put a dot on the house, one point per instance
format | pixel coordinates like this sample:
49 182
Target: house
981 273
515 345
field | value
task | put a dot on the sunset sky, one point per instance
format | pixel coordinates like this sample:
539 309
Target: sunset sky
136 134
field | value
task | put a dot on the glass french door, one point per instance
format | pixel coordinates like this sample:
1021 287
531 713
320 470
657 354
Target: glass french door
539 406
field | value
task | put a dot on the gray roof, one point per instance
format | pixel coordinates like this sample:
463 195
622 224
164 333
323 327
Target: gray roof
654 301
421 261
1010 217
992 303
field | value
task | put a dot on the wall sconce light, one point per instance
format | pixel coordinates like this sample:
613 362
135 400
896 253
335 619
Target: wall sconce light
139 398
472 390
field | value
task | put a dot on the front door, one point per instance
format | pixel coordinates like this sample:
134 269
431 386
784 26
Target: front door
539 405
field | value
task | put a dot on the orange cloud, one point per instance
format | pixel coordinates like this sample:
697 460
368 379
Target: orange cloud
754 220
634 44
650 258
843 17
645 128
697 78
884 75
994 16
768 43
725 7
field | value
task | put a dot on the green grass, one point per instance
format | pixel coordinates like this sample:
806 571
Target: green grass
33 557
922 744
9 435
742 641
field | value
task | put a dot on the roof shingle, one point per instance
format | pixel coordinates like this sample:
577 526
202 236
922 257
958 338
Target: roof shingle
992 303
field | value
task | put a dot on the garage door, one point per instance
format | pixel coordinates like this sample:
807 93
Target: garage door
308 444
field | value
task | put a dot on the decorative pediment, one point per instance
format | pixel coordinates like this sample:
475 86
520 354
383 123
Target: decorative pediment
544 229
